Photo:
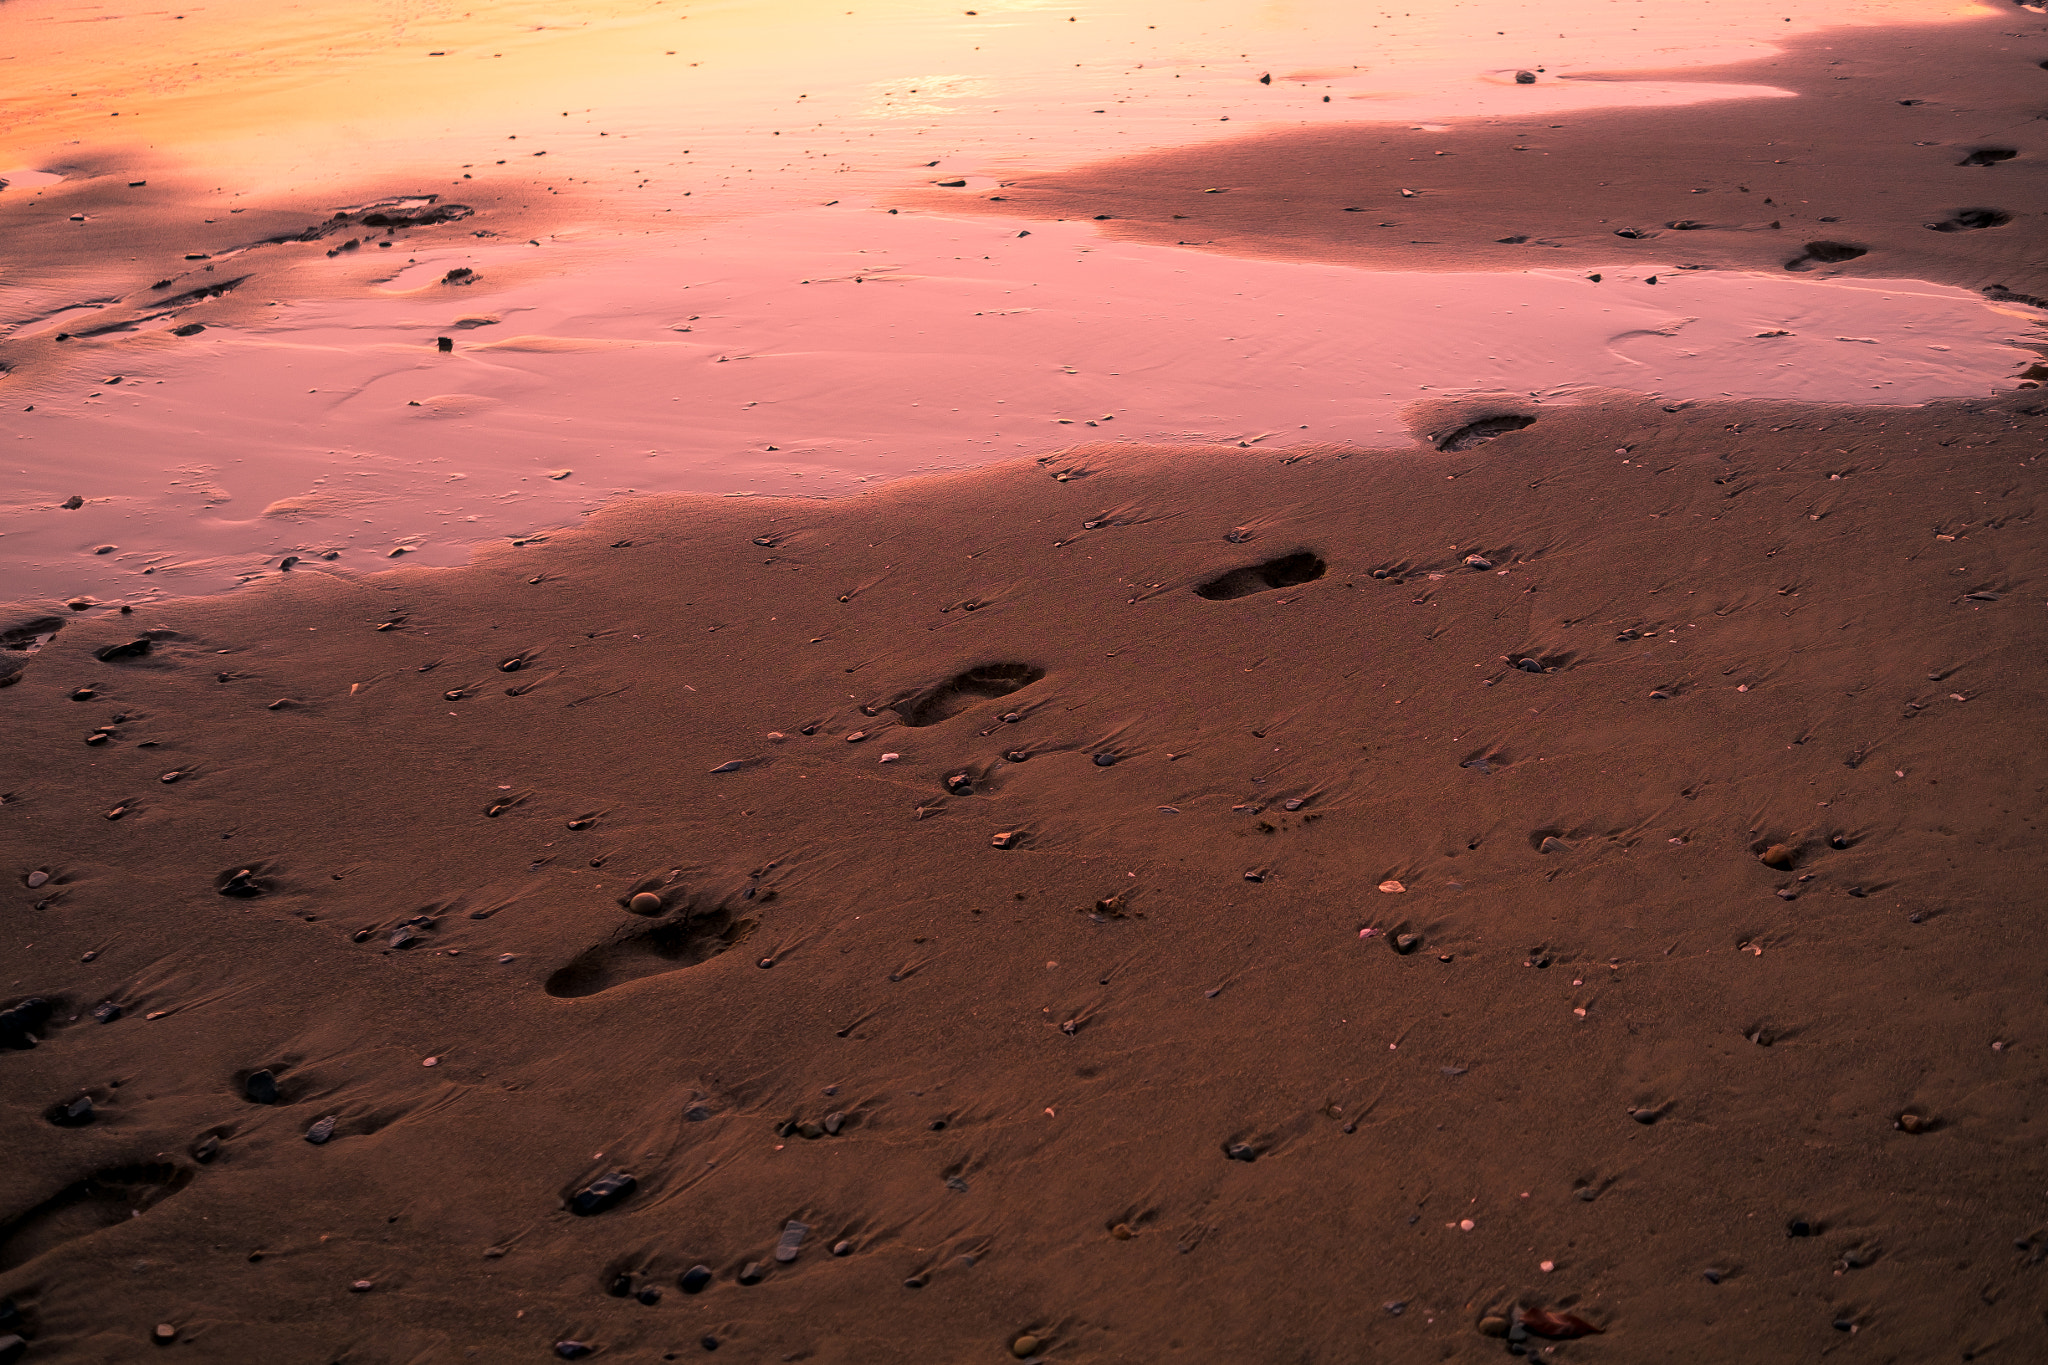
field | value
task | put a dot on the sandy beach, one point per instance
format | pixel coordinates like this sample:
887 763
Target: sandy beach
1309 791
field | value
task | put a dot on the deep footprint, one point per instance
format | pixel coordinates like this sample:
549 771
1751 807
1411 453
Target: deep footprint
102 1200
1483 430
961 691
1825 253
1970 220
1288 571
681 942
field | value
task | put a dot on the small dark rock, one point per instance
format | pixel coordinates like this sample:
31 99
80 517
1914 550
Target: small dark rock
1406 943
753 1272
649 1296
602 1193
1529 665
206 1149
1105 760
621 1286
260 1088
75 1114
321 1131
843 1247
696 1113
693 1280
1525 78
444 344
1801 1227
571 1350
1241 1151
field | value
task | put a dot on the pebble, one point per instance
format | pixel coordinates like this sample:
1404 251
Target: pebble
919 1280
362 1286
1392 887
1017 755
1777 855
1122 1232
602 1193
1478 562
83 694
1105 760
730 766
1493 1325
98 737
1407 943
843 1247
753 1272
891 758
645 903
1912 1123
37 878
320 1132
1007 839
76 1114
1552 844
856 737
107 1011
163 1335
1294 803
1025 1346
1525 78
206 1149
571 1350
1529 665
260 1088
649 1296
834 1122
694 1279
1711 1276
792 1239
1241 1151
1800 1227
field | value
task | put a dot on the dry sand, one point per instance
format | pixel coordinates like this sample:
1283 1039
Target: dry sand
1323 904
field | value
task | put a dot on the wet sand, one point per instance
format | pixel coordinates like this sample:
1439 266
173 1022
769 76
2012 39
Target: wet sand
1560 879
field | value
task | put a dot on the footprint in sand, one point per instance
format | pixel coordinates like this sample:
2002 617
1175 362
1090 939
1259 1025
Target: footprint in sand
1288 571
962 690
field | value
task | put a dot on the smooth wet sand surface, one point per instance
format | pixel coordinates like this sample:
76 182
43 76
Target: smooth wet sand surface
1476 811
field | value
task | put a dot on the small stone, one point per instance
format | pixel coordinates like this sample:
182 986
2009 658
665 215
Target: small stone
1241 1151
697 1113
37 878
809 1130
1552 844
571 1350
1777 855
1394 1307
1007 839
834 1122
1024 1347
1406 943
98 737
1391 887
1105 760
621 1286
83 694
1294 803
645 903
163 1334
261 1087
602 1193
856 737
919 1280
76 1114
320 1132
792 1239
1493 1325
1525 78
1478 562
1712 1276
1646 1116
893 758
753 1272
843 1247
694 1279
1122 1232
1800 1227
206 1149
1529 665
649 1296
1912 1123
362 1286
107 1011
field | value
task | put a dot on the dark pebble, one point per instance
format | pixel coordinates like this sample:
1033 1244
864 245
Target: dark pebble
1395 1307
753 1272
1407 943
1800 1227
1525 78
1529 665
918 1281
649 1296
710 1343
843 1247
834 1122
1711 1276
694 1279
1105 760
320 1132
571 1350
696 1113
206 1149
76 1114
106 1011
1241 1151
621 1285
602 1193
260 1088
